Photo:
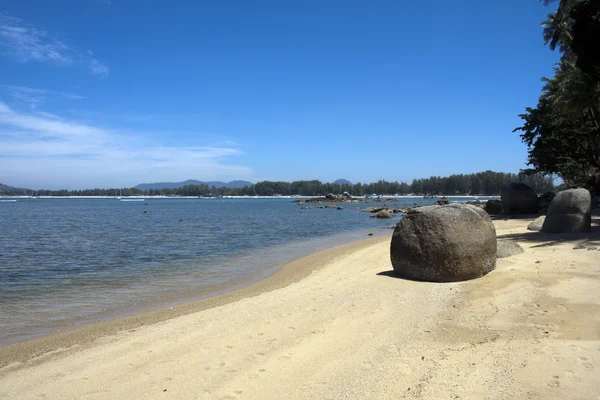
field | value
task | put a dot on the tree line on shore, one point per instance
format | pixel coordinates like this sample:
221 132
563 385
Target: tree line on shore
562 131
481 183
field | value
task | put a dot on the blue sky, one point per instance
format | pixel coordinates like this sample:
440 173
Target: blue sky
107 93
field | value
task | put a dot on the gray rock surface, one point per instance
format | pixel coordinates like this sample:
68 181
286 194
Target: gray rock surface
508 248
570 211
447 243
518 198
493 207
382 214
536 224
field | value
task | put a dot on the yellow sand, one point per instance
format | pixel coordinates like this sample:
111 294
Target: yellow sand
348 330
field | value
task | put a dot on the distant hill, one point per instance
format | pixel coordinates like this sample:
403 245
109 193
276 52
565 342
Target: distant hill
6 188
175 185
343 182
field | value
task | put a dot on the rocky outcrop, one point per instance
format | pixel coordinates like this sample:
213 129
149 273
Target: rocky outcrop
447 243
518 198
382 214
570 211
508 248
493 207
536 224
443 201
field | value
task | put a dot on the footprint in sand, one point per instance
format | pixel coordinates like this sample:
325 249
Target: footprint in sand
585 363
554 382
572 376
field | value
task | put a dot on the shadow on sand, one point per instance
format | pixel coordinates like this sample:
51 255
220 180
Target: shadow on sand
549 239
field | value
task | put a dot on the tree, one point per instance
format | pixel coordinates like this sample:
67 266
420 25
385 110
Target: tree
562 132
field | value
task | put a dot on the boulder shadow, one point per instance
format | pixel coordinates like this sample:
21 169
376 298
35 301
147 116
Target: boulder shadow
550 239
393 274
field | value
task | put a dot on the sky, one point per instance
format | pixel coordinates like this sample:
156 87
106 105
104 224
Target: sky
113 93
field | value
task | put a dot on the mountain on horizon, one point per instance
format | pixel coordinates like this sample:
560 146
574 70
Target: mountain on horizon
343 182
175 185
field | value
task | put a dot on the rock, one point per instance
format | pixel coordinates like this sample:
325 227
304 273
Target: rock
340 207
370 234
330 196
382 214
443 201
346 195
518 198
536 224
493 207
374 209
580 247
545 200
570 211
508 248
444 243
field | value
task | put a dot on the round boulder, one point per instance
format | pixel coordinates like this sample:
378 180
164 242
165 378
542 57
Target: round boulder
570 211
493 207
447 243
518 198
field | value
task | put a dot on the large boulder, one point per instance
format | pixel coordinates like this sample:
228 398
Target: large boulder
518 198
536 224
570 211
447 243
493 207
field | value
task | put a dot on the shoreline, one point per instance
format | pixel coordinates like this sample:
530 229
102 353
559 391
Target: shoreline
83 336
345 326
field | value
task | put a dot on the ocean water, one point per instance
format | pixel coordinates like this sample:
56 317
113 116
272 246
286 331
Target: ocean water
68 262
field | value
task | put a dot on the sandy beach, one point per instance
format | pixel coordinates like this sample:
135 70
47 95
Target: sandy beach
339 325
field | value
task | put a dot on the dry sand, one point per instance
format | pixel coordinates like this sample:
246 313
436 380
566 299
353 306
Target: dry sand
338 325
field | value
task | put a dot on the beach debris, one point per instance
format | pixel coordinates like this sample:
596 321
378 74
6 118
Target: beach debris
448 243
536 224
507 248
570 211
518 198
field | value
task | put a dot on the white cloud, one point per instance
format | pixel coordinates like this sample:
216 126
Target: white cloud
37 150
34 97
25 43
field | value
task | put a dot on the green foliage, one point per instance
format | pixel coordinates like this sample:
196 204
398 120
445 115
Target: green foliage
562 132
485 183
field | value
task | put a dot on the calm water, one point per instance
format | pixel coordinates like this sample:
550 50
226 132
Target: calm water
65 262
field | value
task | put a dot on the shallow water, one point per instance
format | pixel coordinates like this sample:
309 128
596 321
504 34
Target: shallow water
66 262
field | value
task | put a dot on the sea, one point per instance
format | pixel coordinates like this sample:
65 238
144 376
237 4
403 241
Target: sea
69 262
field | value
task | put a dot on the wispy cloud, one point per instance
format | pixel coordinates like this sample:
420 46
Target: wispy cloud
24 43
50 151
34 97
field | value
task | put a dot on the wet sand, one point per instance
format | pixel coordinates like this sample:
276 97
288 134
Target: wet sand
339 325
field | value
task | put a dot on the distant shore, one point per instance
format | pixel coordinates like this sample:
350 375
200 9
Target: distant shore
338 324
383 197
